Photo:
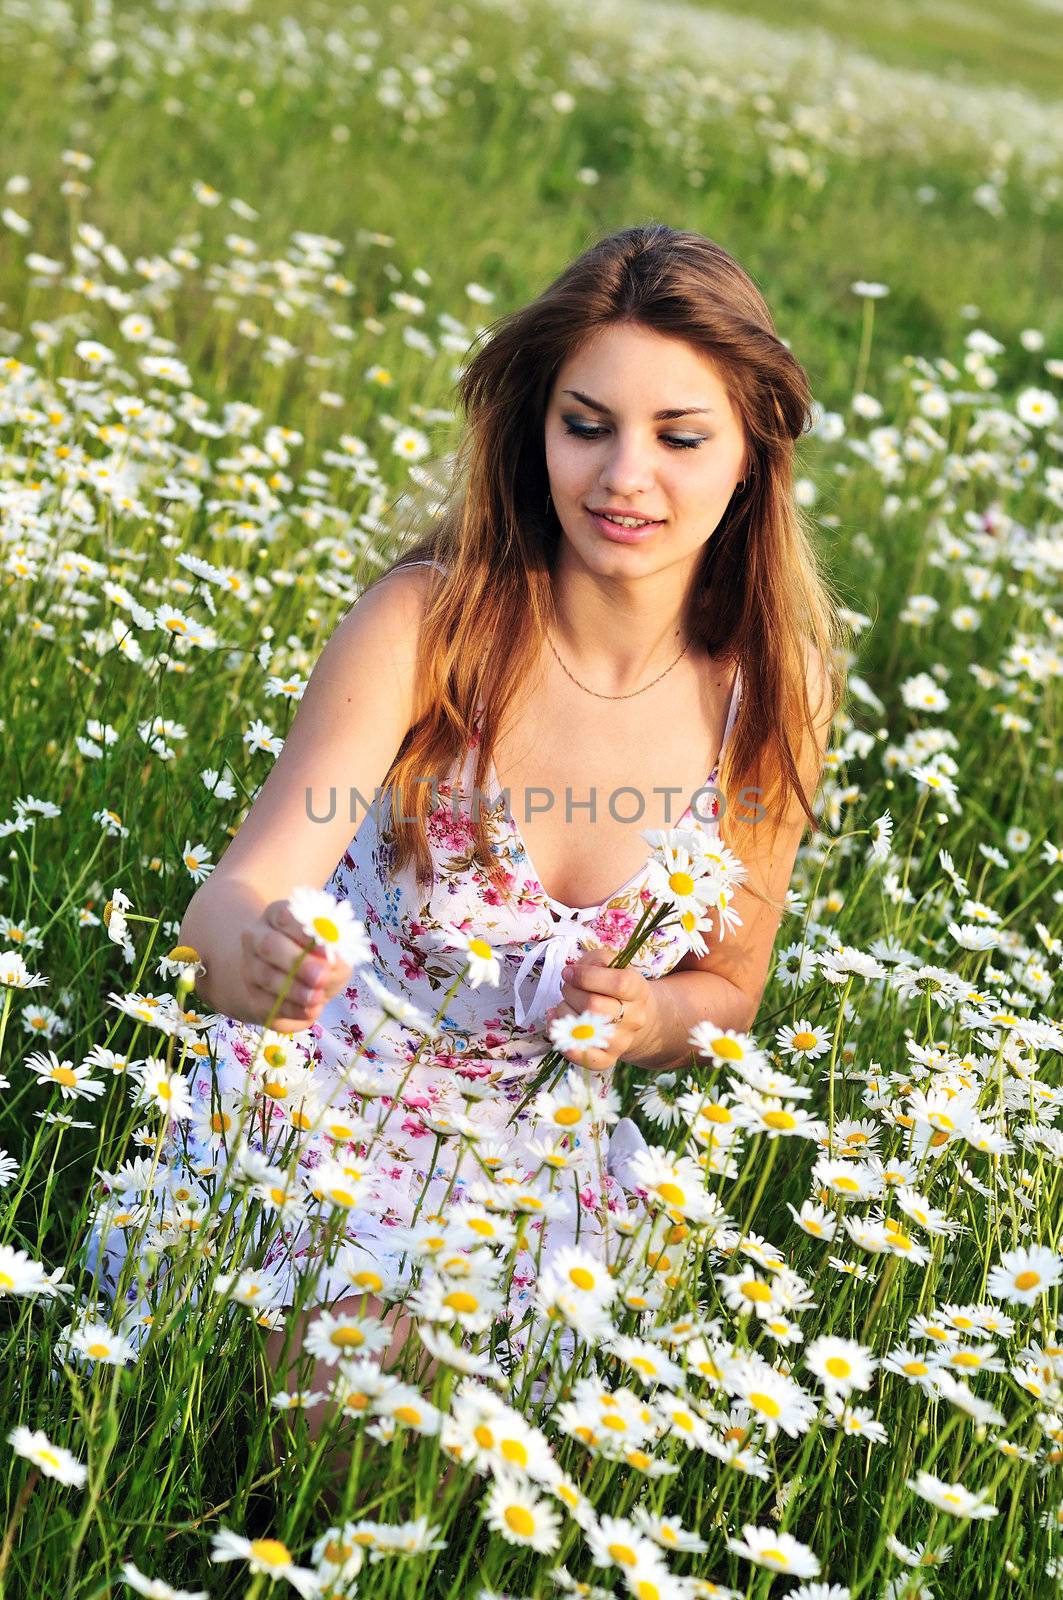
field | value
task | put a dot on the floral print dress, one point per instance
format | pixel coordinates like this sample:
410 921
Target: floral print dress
489 1036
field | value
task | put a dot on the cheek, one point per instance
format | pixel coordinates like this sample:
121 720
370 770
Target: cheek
567 468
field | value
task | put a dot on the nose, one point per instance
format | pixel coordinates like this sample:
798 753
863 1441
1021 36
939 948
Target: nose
626 471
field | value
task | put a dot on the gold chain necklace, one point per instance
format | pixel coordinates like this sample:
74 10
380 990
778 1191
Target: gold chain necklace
633 692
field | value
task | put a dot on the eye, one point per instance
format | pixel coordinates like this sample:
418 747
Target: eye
586 430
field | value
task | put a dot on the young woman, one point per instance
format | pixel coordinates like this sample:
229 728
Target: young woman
617 624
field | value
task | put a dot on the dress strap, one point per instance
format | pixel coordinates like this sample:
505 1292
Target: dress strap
732 711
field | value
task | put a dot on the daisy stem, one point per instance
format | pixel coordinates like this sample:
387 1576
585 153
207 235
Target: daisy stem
762 1182
880 1293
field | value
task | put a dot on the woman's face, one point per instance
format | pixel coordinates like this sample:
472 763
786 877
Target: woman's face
607 449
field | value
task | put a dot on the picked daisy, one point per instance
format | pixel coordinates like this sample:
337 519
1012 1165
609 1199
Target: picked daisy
483 964
585 1031
769 1547
269 1557
331 924
49 1458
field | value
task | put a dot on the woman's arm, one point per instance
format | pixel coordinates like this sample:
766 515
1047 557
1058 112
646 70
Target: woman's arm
351 720
683 1000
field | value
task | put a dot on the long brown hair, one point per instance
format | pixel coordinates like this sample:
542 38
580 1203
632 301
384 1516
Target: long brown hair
758 597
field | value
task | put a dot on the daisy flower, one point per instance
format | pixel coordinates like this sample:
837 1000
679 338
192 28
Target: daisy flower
51 1459
331 1338
668 1532
677 877
768 1547
1024 1274
569 1106
74 1082
331 924
583 1032
674 1182
267 1556
21 1275
521 1516
167 1091
196 858
157 1588
616 1542
803 1040
776 1401
95 1341
951 1497
580 1273
14 973
472 1304
840 1365
814 1219
725 1046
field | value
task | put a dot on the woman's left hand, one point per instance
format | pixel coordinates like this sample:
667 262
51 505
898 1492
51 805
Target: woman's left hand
591 984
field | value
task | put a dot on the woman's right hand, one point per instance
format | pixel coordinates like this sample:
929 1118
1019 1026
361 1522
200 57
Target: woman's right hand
270 948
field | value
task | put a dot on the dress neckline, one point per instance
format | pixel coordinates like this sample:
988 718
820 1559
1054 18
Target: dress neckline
629 882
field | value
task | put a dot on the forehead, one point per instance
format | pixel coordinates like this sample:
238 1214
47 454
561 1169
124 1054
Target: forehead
631 367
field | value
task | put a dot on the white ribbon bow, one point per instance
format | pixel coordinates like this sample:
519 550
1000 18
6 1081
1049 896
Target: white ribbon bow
554 951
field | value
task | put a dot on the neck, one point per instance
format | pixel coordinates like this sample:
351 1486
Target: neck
615 636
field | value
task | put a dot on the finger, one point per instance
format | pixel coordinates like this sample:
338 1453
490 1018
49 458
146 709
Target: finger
292 1019
271 981
282 953
278 916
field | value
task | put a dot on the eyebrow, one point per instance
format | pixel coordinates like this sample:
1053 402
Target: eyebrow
658 416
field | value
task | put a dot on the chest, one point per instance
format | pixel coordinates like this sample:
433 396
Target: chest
583 776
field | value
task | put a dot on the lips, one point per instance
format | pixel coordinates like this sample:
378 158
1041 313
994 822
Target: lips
612 512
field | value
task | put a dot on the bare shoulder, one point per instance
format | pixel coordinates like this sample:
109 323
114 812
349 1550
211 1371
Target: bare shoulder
400 595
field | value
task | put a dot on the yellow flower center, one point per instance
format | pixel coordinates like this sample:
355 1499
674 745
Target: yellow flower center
1027 1279
803 1041
672 1193
65 1076
681 883
622 1554
520 1520
98 1351
567 1115
347 1338
780 1119
766 1404
270 1552
326 928
753 1289
837 1366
